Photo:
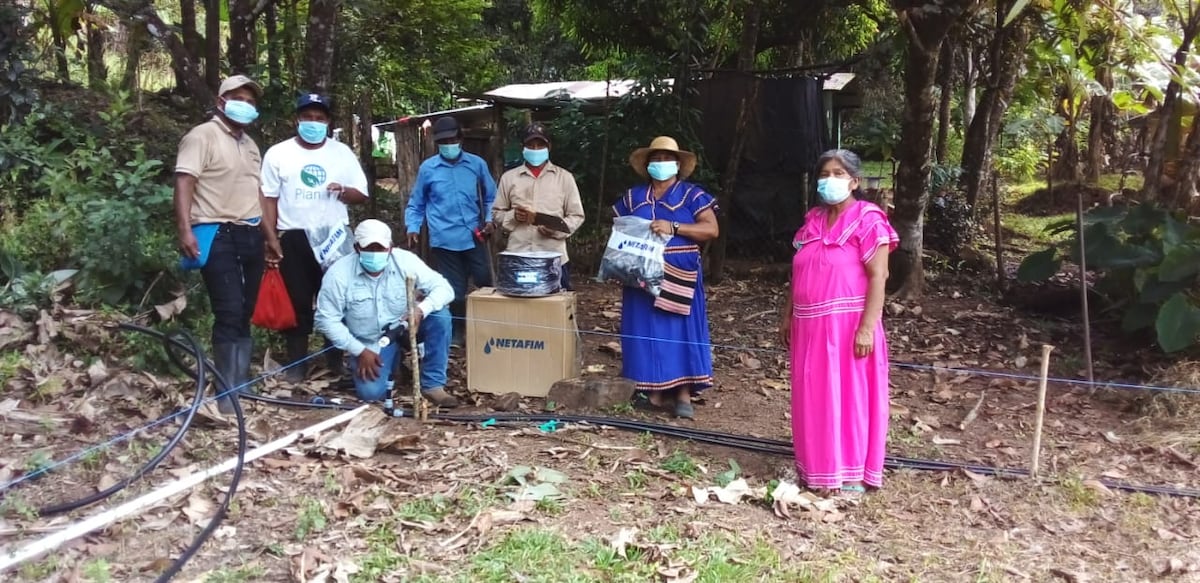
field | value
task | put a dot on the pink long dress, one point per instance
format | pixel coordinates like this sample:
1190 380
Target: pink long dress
839 401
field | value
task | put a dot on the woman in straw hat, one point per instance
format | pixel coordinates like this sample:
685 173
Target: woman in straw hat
832 322
665 345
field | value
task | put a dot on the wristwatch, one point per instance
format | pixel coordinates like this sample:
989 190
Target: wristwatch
675 227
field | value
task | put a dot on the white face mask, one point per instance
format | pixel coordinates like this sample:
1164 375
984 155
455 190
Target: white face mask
833 190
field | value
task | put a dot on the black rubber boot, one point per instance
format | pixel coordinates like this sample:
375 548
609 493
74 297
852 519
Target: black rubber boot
297 350
224 356
244 348
458 324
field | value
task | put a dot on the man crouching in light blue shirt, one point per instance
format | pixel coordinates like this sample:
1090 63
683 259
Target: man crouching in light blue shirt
363 300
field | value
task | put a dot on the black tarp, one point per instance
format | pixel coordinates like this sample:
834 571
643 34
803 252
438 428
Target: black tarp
787 132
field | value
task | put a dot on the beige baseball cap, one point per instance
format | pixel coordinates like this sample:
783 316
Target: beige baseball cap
236 81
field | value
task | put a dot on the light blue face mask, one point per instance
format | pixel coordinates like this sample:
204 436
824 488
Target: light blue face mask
536 157
450 151
373 261
313 132
833 190
663 170
240 112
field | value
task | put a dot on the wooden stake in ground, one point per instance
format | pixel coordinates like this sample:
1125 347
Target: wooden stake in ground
420 408
1041 411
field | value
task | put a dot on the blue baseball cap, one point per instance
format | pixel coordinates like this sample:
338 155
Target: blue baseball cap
308 99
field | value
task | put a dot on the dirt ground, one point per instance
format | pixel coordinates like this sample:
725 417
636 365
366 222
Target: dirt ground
443 501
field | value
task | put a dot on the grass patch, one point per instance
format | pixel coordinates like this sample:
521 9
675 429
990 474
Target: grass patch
541 555
311 518
239 575
681 464
428 509
381 559
1034 228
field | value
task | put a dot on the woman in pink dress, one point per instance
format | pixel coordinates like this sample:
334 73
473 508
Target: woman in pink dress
833 328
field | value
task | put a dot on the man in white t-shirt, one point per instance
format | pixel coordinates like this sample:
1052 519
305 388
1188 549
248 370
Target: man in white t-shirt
307 181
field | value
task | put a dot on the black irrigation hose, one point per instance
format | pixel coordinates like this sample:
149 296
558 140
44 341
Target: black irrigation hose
782 448
239 415
197 400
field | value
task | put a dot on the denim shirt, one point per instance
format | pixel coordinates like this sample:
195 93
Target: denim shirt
446 197
353 307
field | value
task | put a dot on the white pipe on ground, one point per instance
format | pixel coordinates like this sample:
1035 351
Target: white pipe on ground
143 502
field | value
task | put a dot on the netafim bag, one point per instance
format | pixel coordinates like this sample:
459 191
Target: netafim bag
634 255
330 243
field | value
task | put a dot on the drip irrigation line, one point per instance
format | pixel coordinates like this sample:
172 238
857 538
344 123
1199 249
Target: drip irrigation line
161 420
783 448
234 481
894 363
190 414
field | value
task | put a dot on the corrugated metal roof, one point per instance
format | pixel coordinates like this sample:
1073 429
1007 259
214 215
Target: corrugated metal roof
838 81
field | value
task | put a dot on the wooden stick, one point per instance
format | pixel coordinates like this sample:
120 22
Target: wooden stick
1041 411
140 504
420 408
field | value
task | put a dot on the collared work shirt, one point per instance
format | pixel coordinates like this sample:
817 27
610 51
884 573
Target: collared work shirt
446 197
353 308
553 191
226 168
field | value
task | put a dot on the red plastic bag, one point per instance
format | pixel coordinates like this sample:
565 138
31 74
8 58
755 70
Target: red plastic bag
273 310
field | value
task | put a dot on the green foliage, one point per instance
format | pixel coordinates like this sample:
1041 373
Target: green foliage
85 198
1150 263
16 90
591 144
414 54
949 223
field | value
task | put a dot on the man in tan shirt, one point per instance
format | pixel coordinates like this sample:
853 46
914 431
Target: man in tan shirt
218 213
538 186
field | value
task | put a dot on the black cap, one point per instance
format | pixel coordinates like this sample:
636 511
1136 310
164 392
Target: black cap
445 128
534 131
308 99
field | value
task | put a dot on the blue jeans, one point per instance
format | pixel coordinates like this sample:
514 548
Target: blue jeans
435 334
232 275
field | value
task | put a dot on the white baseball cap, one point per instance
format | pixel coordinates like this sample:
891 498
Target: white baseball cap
373 231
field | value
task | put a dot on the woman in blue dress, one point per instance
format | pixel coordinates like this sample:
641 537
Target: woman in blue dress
665 346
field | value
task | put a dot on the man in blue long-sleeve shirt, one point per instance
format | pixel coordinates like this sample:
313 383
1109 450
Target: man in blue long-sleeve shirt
363 297
453 195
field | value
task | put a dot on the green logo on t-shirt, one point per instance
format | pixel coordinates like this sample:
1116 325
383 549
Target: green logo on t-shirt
312 175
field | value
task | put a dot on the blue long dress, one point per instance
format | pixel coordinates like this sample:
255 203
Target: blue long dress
661 350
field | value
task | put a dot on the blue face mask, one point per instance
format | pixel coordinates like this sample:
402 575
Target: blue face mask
373 261
450 151
833 190
240 112
663 170
313 132
536 157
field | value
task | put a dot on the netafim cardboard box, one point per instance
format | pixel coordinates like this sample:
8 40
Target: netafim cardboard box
521 345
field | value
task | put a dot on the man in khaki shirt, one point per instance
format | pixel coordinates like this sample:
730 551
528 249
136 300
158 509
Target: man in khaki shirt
538 186
218 212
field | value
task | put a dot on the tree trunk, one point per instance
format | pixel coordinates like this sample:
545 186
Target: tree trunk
970 78
135 46
191 39
1152 187
1189 169
1004 62
271 23
747 50
945 100
318 55
1101 110
194 84
1066 168
96 69
212 44
241 36
60 42
925 30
